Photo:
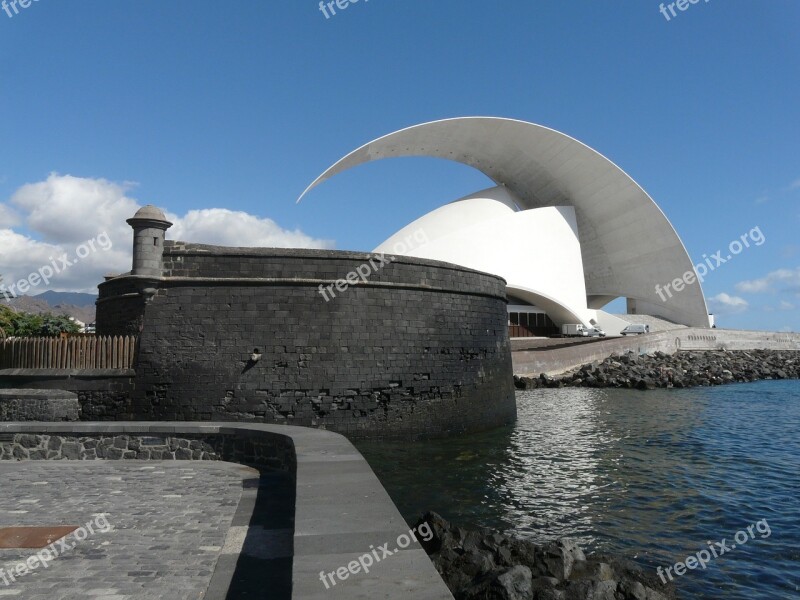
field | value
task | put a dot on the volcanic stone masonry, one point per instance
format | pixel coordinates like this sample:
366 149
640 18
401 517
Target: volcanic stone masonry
418 349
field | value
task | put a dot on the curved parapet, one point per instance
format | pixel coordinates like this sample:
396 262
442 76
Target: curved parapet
627 244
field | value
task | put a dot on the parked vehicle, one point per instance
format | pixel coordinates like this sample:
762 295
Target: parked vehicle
573 330
595 332
636 329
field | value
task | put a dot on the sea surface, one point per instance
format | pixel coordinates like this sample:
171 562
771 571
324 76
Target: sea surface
655 476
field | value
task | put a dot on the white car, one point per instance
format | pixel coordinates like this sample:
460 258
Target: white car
595 332
638 329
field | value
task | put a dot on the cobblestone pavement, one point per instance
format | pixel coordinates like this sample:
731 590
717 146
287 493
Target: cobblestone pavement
168 522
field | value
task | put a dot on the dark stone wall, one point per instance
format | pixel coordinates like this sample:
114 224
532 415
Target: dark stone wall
103 395
420 349
38 405
120 308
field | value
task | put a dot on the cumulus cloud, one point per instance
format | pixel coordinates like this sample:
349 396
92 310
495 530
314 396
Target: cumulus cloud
46 220
8 218
724 304
67 209
223 227
780 280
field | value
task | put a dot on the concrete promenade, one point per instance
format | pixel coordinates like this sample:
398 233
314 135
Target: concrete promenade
161 526
533 357
339 512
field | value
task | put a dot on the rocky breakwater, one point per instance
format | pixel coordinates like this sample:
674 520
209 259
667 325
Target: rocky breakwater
485 565
680 370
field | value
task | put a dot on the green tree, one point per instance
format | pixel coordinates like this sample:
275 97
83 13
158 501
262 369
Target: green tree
52 325
5 317
26 325
6 321
19 324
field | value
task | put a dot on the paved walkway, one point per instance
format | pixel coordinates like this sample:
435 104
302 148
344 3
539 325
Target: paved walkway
324 514
158 527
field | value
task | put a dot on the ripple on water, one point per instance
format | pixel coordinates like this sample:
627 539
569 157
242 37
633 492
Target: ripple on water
654 475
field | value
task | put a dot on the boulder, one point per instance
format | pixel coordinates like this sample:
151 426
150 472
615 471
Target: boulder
486 565
687 369
514 583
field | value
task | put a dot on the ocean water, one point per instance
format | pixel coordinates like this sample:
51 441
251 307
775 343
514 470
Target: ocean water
655 476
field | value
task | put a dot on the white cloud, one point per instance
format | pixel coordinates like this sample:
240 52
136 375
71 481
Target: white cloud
223 227
8 218
62 212
723 304
67 209
785 279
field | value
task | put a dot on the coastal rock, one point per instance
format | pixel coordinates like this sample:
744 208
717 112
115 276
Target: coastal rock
508 584
560 556
680 370
486 565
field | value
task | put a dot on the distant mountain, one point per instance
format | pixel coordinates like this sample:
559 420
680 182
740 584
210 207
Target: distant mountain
79 306
68 298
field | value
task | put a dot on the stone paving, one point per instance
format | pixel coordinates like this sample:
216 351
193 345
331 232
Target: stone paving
159 526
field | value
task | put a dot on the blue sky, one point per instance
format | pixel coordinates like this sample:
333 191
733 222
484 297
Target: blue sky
199 106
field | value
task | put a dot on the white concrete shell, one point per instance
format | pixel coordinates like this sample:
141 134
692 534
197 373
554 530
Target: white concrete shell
627 244
487 232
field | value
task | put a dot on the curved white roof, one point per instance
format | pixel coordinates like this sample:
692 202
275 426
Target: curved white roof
627 243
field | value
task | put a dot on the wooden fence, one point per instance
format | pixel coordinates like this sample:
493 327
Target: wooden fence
79 352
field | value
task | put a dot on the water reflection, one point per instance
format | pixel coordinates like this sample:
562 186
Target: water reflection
651 475
552 476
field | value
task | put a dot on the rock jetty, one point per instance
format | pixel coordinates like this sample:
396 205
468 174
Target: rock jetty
680 370
485 565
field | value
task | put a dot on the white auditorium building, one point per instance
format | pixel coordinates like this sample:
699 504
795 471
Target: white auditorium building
566 228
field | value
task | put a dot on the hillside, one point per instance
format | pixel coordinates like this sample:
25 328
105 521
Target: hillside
68 298
79 306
